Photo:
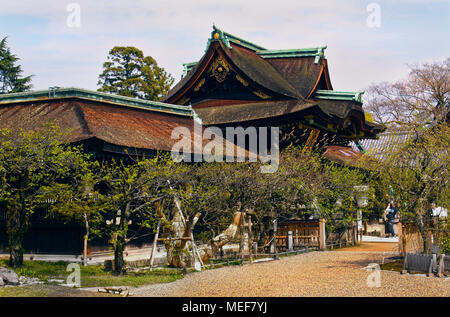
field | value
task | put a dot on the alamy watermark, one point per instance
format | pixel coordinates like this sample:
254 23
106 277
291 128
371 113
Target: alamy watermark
240 144
374 18
374 278
74 18
74 278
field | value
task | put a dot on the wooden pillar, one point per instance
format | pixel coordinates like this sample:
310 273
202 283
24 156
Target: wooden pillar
322 237
242 240
401 246
275 229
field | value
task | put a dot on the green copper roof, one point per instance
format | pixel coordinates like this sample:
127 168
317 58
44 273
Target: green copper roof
227 39
339 95
318 52
61 93
187 67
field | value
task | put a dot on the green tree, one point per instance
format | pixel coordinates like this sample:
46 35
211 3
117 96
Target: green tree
127 72
415 172
418 173
10 73
29 161
79 200
130 193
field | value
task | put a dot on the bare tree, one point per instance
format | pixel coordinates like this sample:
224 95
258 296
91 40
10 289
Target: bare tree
422 97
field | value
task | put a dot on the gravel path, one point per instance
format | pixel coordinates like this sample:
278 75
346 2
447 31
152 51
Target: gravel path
329 273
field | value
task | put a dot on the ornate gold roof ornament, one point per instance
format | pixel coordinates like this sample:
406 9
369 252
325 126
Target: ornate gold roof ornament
219 69
199 85
261 95
241 80
312 138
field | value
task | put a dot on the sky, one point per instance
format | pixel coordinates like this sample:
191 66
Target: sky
367 41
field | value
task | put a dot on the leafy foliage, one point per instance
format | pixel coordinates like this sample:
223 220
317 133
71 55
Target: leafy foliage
30 162
10 73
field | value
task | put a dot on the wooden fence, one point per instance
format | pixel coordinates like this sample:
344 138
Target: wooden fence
300 233
410 240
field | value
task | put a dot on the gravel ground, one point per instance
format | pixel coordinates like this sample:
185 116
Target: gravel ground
329 273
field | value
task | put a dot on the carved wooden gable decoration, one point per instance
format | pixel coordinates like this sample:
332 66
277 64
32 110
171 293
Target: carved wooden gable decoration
221 79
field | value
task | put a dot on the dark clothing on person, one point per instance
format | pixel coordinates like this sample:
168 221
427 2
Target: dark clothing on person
391 214
391 218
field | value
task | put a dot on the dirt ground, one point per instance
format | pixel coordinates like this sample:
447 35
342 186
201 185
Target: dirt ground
317 274
374 247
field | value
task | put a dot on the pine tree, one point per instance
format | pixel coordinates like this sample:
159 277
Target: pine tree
10 73
127 72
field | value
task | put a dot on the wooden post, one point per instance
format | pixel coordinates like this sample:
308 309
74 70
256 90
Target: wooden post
152 256
250 239
85 240
275 225
290 241
322 237
433 264
405 265
241 244
440 272
401 240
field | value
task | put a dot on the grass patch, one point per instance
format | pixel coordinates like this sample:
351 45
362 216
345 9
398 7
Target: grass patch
396 266
94 275
47 291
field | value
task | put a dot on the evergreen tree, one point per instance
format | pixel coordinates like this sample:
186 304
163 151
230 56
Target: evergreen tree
127 72
10 73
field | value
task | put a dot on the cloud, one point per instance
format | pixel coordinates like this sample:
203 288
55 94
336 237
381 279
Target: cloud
175 32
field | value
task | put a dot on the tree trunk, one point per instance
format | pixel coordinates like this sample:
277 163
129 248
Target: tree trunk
119 262
424 233
176 244
120 240
232 232
16 254
16 228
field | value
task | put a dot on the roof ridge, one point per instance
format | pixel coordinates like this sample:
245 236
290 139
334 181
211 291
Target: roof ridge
317 52
339 95
228 37
187 67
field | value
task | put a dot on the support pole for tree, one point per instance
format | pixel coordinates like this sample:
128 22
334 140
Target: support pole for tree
322 235
241 244
250 239
152 256
85 240
275 228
